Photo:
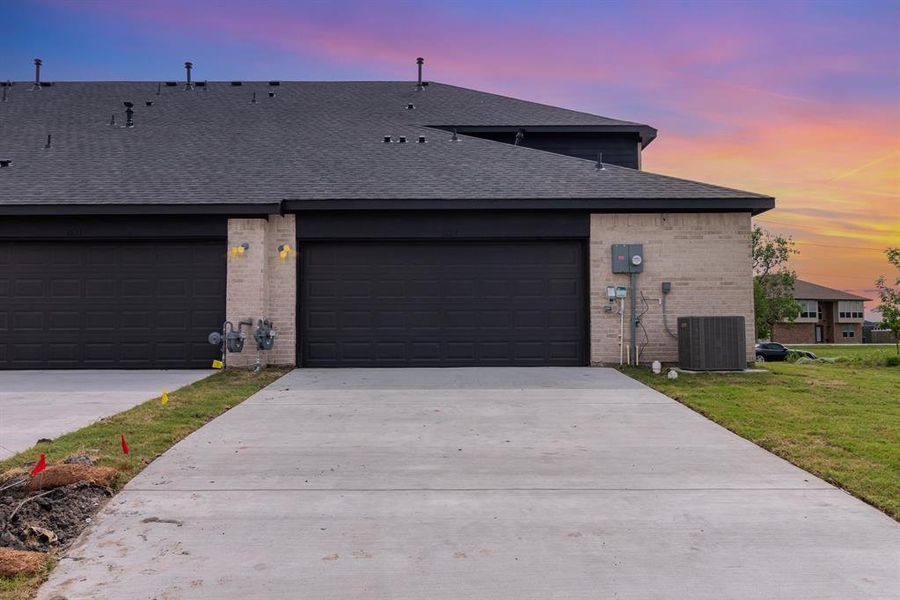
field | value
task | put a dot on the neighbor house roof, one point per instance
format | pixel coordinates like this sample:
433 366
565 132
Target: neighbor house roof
263 146
804 290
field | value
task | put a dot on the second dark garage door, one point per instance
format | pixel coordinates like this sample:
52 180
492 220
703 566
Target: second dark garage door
110 304
448 303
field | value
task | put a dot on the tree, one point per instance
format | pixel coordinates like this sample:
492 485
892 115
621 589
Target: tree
773 281
889 296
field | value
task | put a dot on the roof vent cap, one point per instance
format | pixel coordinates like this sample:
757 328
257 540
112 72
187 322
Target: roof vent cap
401 139
149 102
422 139
271 94
274 83
419 62
387 139
410 106
237 83
37 74
171 83
5 162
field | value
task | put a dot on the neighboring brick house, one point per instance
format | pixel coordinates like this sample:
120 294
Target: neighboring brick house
827 316
375 223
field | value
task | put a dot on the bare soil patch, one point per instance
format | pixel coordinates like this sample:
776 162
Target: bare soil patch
42 515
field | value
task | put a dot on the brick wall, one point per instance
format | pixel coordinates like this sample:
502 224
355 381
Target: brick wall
794 333
706 257
839 333
261 285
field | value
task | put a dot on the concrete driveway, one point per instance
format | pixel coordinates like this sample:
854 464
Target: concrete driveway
476 483
46 404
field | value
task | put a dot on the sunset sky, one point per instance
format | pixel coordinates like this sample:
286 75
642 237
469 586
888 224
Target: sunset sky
799 100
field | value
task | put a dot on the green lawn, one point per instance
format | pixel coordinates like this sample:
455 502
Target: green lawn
839 421
150 430
866 354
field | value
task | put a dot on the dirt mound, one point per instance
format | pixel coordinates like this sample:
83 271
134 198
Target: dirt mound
50 519
56 476
19 562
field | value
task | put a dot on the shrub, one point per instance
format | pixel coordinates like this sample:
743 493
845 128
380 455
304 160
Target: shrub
892 361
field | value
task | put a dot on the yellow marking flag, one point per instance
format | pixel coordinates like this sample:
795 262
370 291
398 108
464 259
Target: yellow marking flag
217 364
165 398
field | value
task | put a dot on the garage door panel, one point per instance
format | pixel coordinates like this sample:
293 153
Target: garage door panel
442 303
111 304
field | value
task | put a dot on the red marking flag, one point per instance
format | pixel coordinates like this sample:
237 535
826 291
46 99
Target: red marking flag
125 448
40 466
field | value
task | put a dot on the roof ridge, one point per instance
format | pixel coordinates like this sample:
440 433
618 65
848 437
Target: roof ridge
562 108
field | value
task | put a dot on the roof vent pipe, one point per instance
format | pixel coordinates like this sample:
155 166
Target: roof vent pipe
187 67
47 145
159 88
600 166
112 120
419 62
253 99
37 74
5 88
455 137
129 114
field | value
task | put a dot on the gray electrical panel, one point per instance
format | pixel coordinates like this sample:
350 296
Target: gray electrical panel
712 343
627 258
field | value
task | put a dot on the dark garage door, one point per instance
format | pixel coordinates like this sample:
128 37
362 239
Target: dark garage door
110 304
443 304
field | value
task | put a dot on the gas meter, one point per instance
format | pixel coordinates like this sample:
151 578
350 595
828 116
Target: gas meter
264 334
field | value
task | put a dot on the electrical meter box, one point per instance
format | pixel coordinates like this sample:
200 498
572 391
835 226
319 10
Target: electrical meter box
628 258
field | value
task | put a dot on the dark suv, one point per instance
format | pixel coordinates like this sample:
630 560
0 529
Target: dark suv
770 351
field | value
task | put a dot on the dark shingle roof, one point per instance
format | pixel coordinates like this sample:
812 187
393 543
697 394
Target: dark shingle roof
312 141
804 290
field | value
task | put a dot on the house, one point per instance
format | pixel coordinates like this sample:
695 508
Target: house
382 223
827 316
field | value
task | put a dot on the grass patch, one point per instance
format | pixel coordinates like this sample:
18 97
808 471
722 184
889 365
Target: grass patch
860 354
150 429
23 587
839 421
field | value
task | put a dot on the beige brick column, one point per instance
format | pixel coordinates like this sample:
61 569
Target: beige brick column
281 279
262 286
